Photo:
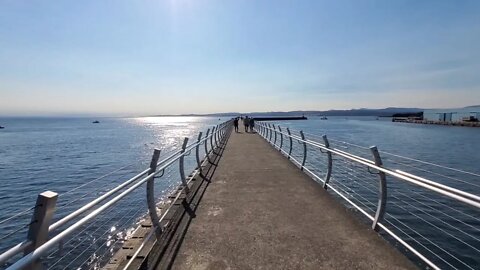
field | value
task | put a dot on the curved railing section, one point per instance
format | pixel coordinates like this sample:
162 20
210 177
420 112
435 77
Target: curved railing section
433 221
46 238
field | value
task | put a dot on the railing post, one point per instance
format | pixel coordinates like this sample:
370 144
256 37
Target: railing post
152 206
206 147
41 219
329 162
275 136
181 164
270 129
215 137
281 139
304 150
382 185
211 140
197 153
291 143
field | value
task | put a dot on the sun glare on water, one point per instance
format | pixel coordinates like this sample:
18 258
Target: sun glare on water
168 120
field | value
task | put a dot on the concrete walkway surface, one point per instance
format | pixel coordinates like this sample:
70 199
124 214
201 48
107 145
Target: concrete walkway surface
261 212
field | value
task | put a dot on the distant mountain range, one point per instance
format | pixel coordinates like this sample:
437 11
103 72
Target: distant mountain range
386 112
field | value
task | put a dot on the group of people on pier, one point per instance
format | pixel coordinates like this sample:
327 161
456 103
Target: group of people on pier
248 123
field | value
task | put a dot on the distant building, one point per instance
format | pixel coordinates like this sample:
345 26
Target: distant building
468 114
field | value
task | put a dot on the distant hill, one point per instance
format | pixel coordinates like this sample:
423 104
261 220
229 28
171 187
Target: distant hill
386 112
352 112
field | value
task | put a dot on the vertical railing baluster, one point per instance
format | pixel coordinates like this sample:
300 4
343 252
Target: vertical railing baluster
216 136
152 206
275 136
181 164
41 220
270 129
329 162
211 140
197 153
281 139
382 186
291 143
207 153
304 150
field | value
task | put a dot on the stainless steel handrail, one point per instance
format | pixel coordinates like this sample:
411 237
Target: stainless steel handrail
450 192
161 165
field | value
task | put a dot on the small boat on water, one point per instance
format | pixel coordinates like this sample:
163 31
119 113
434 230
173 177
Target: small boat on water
324 118
96 122
2 127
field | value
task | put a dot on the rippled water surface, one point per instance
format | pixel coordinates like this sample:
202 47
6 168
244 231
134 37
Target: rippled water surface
81 160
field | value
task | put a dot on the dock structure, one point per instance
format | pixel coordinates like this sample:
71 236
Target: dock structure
260 211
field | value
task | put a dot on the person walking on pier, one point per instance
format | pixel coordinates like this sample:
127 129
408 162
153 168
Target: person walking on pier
235 124
252 124
246 123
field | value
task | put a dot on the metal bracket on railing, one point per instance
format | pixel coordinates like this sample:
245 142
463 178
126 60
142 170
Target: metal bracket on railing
158 176
291 143
281 138
304 150
181 164
382 185
197 153
41 219
329 162
370 171
152 206
275 137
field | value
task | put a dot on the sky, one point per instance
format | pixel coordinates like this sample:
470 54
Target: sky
144 57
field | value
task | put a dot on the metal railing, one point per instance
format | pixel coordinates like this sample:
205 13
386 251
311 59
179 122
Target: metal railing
437 223
45 236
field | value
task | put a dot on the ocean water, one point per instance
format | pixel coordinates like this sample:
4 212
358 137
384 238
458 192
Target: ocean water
81 160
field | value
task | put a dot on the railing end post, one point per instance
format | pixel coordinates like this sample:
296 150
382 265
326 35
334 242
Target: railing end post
41 220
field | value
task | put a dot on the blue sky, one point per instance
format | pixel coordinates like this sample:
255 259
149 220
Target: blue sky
193 56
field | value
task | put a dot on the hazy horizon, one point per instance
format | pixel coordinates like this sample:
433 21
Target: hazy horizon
123 58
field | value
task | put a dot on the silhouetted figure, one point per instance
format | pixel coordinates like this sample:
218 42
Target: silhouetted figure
235 124
252 124
246 123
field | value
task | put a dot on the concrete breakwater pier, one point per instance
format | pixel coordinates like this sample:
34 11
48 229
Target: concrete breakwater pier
272 199
442 123
261 212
